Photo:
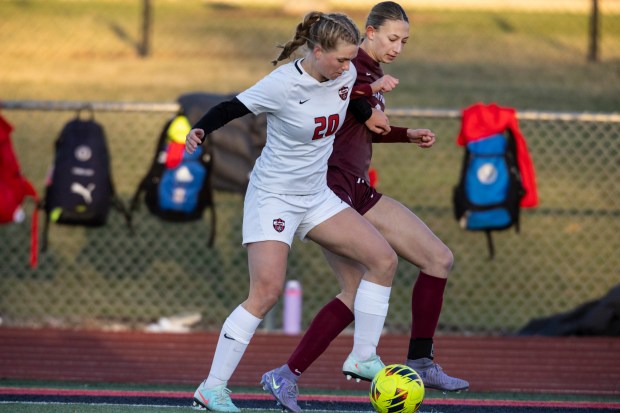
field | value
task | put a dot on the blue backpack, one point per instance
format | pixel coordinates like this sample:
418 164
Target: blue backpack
177 186
489 190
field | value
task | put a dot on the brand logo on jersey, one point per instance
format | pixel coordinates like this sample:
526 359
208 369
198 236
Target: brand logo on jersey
343 92
278 224
301 102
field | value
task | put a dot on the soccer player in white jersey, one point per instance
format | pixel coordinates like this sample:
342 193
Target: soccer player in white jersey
305 102
387 32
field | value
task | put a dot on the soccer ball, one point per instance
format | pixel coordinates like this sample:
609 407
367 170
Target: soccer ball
396 389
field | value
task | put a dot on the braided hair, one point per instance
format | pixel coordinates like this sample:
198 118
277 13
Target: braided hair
323 29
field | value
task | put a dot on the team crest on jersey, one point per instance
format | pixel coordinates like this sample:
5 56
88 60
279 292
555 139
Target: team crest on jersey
278 224
344 92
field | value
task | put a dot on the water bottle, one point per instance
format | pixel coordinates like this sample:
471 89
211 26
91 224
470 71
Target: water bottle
292 308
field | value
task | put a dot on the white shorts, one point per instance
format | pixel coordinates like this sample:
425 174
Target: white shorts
277 217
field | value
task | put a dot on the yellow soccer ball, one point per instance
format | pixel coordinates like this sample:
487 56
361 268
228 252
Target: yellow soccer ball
396 389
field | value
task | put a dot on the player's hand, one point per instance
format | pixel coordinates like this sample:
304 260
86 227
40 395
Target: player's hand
384 84
378 122
424 138
193 140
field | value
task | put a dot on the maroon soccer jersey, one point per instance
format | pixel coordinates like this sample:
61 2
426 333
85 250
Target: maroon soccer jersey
353 144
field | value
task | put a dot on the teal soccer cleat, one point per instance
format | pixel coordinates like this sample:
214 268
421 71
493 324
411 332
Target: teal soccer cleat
362 370
216 399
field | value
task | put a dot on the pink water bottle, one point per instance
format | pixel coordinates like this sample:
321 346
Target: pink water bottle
292 307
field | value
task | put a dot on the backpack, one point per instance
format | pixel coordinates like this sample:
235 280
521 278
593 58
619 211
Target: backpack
235 146
79 187
491 188
177 186
599 317
14 187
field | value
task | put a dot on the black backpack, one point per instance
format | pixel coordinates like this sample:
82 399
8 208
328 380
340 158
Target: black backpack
489 190
79 188
177 186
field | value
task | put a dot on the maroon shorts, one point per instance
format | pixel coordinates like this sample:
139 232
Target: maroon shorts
353 190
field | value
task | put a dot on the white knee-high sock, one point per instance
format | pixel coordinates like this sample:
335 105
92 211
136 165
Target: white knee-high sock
235 336
371 308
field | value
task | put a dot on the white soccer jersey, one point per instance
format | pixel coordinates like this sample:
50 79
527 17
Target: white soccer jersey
303 116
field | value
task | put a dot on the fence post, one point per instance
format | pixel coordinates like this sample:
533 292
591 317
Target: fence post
146 28
594 32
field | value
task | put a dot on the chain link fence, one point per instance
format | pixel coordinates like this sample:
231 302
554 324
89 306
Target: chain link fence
531 55
565 254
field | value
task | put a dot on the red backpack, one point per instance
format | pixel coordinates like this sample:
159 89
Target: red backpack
14 187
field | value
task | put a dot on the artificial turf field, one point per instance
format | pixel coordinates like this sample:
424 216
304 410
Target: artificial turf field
26 397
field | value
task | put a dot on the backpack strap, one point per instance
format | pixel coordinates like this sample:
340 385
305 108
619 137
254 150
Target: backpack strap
120 207
118 203
212 237
135 199
46 228
91 111
490 244
34 228
208 148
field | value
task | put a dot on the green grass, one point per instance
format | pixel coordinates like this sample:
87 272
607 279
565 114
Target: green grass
92 408
108 408
88 50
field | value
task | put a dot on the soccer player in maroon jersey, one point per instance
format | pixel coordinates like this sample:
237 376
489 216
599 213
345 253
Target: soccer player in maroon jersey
387 31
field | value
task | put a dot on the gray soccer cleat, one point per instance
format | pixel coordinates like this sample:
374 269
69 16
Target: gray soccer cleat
433 376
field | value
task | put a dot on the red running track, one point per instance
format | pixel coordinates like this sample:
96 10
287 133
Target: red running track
567 365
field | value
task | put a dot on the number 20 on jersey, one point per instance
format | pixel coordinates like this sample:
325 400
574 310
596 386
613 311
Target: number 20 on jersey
325 126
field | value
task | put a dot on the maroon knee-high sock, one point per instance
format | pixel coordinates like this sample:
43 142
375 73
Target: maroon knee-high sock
328 323
426 302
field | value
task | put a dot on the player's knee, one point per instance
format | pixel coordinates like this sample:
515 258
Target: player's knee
387 262
266 296
444 259
271 296
437 260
